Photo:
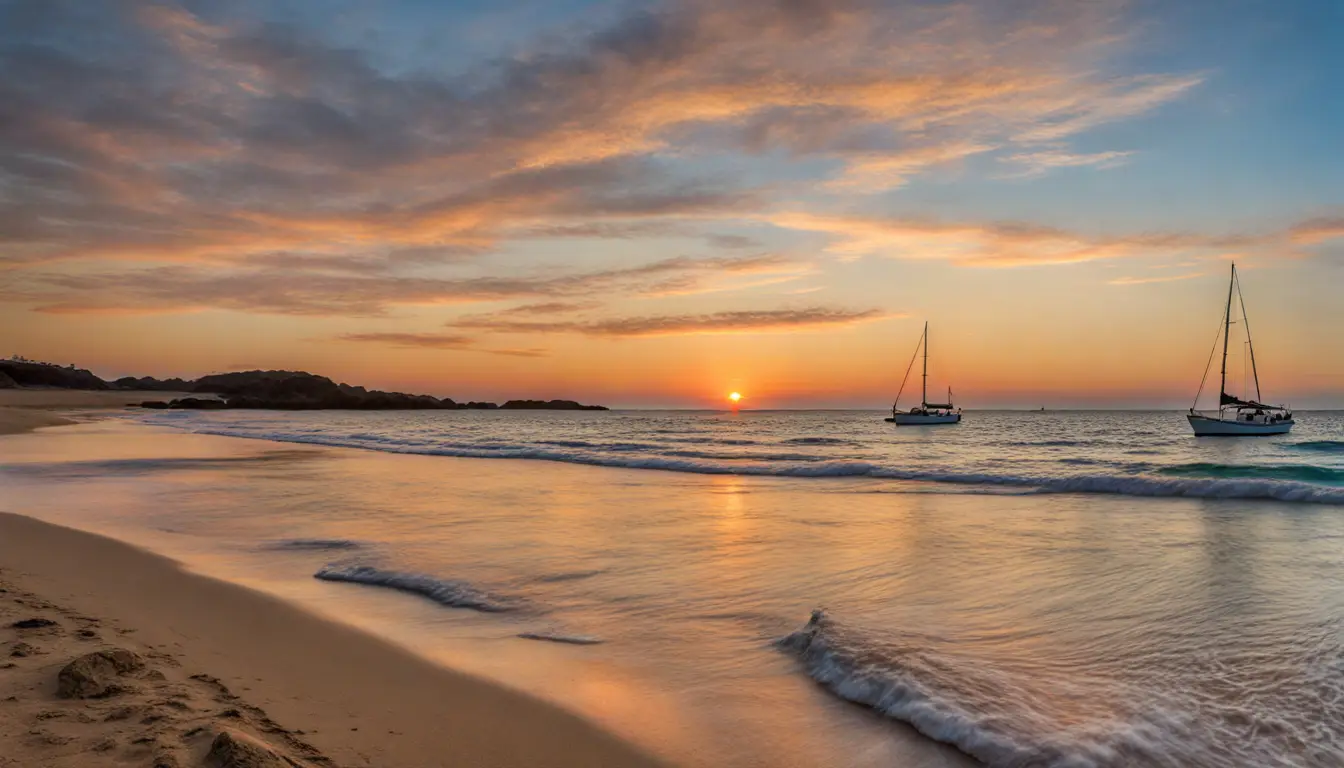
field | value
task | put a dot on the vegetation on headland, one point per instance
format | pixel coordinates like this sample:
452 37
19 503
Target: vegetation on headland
276 390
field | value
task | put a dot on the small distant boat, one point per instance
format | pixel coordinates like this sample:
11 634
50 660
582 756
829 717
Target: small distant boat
926 413
1236 417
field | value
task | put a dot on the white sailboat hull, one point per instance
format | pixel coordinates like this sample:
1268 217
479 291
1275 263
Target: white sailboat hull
924 418
1205 426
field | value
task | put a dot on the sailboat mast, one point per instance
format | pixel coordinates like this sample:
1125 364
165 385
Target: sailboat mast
1227 330
1247 322
925 395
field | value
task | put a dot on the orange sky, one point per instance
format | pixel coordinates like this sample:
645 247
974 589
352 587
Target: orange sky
662 207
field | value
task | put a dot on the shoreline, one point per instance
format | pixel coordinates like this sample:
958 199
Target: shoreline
299 681
27 409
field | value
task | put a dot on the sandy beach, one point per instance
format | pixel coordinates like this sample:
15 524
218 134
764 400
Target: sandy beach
23 410
212 658
16 420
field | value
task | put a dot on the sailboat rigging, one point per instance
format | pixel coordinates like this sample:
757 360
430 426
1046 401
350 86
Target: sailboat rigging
926 412
1235 416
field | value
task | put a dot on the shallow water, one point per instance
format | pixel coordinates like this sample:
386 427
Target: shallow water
1021 623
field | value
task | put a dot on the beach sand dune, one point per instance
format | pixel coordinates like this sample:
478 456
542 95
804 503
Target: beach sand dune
111 656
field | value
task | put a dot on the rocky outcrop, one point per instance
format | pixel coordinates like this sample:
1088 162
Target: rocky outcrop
232 749
272 390
276 385
97 674
300 391
151 384
550 405
31 374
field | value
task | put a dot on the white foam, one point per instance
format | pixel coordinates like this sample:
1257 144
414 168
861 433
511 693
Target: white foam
1009 717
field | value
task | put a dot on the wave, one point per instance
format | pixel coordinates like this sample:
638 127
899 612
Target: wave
817 441
554 637
1032 715
314 545
1301 472
454 594
1268 489
1318 446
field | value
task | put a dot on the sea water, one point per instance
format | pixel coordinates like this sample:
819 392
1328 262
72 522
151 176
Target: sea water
788 588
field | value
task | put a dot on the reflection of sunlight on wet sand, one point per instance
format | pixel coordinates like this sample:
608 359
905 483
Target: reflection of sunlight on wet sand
731 521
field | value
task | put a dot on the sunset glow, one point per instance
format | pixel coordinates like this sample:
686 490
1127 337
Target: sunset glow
735 397
618 203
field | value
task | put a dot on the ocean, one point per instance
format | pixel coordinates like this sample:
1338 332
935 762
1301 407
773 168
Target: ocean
783 588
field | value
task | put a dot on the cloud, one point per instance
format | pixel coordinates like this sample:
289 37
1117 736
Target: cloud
731 242
745 321
289 290
876 172
426 340
440 341
144 131
1159 279
1319 230
1040 161
549 308
998 244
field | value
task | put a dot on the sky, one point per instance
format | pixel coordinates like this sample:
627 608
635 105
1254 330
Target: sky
653 204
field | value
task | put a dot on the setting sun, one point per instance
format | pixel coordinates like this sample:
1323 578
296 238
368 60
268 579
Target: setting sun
735 396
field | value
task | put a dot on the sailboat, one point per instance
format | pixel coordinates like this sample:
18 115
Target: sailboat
926 412
1236 417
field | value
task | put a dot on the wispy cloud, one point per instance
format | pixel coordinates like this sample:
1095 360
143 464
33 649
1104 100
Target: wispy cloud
1318 230
1000 244
1156 279
428 340
285 290
748 321
438 341
175 137
1040 161
549 308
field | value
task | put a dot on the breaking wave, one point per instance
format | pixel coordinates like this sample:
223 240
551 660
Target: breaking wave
454 594
1292 472
1012 716
1318 446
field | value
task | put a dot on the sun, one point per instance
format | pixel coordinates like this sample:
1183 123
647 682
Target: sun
735 396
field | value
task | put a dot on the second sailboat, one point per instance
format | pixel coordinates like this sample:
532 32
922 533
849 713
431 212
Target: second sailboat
925 412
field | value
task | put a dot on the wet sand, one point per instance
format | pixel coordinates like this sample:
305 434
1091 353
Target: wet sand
212 658
16 420
23 410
